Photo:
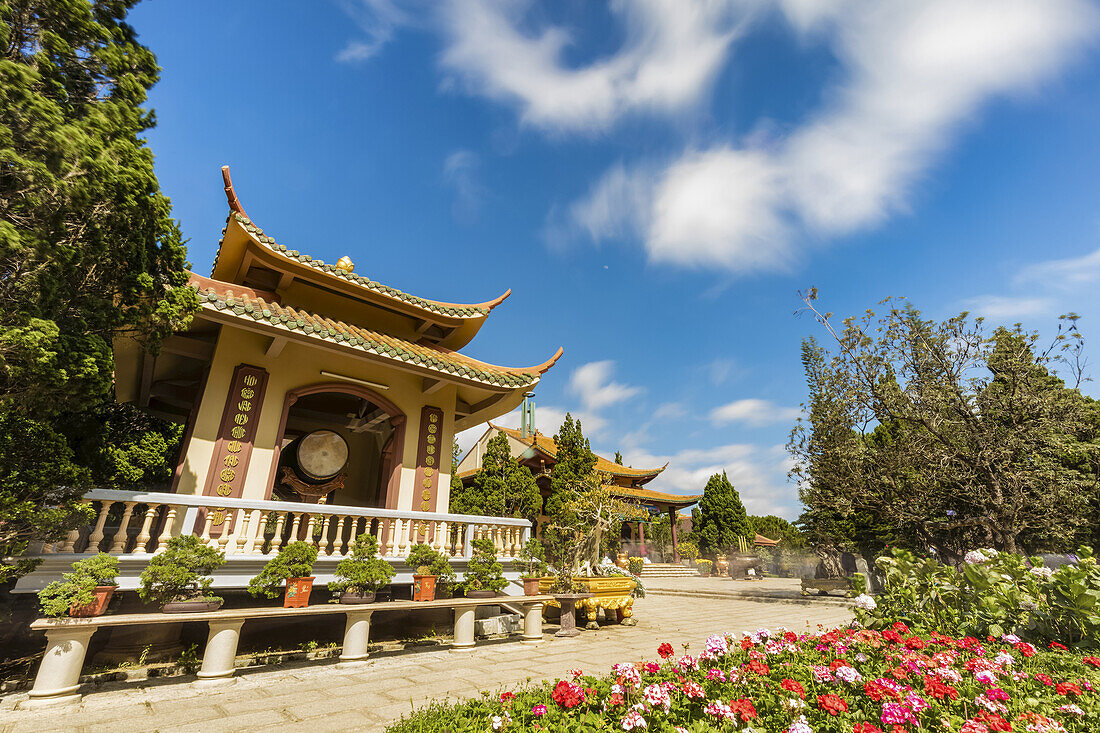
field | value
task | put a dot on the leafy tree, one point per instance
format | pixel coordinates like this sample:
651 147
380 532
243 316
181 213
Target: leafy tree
945 436
88 249
720 517
501 487
777 528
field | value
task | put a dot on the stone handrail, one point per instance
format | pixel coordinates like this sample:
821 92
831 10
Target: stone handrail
136 522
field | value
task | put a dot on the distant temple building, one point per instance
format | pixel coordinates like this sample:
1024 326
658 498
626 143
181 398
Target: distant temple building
538 453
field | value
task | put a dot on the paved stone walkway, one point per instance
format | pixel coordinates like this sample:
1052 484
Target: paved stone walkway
320 697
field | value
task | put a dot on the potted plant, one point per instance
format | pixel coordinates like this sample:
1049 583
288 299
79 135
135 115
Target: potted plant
484 573
531 566
636 565
704 567
293 564
84 592
176 580
432 572
362 572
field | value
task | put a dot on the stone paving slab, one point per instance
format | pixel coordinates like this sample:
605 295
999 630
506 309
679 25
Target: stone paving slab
366 698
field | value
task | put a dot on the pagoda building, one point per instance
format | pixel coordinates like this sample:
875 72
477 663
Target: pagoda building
303 380
538 453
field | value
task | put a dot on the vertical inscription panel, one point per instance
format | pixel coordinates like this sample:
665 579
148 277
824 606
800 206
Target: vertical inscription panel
428 457
236 434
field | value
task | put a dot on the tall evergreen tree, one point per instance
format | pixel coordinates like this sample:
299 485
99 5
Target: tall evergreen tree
501 487
88 248
720 517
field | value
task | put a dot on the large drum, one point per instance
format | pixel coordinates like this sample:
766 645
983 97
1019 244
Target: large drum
318 456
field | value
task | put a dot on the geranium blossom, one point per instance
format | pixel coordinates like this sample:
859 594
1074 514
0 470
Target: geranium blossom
658 697
632 720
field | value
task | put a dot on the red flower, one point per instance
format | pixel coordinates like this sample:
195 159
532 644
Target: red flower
914 642
900 627
506 696
866 728
1067 688
899 673
994 722
746 643
794 686
1026 649
1094 661
891 636
567 695
1059 647
834 704
666 650
744 708
1045 679
615 699
759 667
837 664
790 637
939 690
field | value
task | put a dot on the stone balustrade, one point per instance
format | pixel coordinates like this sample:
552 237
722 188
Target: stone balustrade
130 523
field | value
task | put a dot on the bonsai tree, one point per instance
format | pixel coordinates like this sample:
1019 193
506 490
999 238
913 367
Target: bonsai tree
484 571
427 561
532 560
78 587
295 560
177 574
362 571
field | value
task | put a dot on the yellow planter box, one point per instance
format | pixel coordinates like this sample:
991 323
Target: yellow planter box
612 593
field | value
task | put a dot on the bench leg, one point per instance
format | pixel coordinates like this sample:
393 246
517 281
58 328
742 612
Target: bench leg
356 638
221 650
464 628
532 624
58 676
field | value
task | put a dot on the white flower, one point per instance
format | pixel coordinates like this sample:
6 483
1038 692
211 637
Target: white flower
633 720
1010 639
974 557
498 722
865 602
800 726
849 675
1042 572
1003 659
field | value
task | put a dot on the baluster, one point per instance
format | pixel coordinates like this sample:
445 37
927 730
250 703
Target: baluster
340 535
142 542
169 527
119 545
97 532
310 539
70 542
205 536
250 538
326 541
294 528
277 540
241 535
391 532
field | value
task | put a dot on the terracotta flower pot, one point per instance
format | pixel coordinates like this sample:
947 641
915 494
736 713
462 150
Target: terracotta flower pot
530 586
199 606
297 592
103 594
424 587
357 597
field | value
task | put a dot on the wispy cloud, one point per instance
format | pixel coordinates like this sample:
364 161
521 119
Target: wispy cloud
1001 307
914 74
671 54
753 412
377 20
593 384
1043 289
1065 274
460 171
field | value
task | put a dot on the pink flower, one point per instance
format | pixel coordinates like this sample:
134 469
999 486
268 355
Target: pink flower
576 673
633 720
716 674
687 662
539 710
896 714
996 693
658 697
652 667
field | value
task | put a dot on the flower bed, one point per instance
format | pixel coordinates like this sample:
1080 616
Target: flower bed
842 681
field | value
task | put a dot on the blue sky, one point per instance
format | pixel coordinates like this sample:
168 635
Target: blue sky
655 180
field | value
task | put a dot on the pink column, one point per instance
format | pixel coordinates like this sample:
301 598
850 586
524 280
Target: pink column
641 539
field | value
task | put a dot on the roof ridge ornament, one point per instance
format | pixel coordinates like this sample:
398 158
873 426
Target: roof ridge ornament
230 194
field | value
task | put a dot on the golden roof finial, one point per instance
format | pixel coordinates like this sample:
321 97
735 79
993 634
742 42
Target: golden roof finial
345 264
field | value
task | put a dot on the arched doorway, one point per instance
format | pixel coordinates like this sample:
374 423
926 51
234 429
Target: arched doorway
372 427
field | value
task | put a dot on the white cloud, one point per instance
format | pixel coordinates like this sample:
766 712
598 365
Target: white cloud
670 55
593 384
914 73
1066 274
669 411
753 412
460 171
758 474
999 307
377 20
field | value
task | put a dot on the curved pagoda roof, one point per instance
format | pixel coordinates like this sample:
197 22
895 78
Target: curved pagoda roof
546 445
244 245
230 302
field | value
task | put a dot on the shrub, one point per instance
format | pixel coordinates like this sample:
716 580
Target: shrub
362 571
294 560
991 595
178 573
689 550
532 560
635 565
484 571
426 561
78 587
704 566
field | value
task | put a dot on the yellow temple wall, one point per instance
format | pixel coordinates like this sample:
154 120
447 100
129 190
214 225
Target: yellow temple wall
299 365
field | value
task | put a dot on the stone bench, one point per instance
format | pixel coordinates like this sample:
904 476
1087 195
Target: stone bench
67 639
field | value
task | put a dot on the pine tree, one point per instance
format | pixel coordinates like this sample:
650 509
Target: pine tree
720 517
501 487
